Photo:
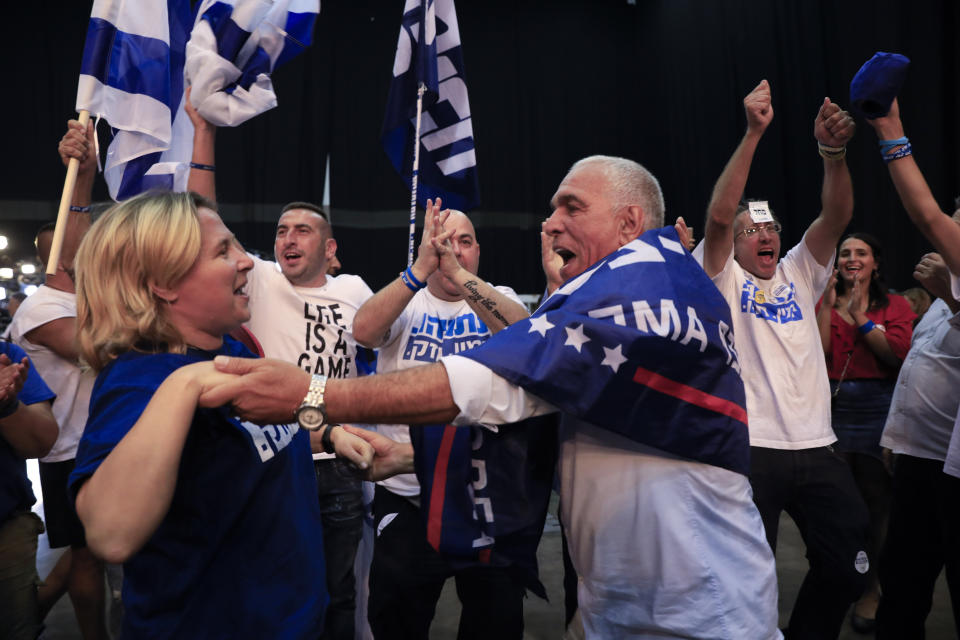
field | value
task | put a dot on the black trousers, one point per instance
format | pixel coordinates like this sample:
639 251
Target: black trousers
407 576
923 539
341 507
816 489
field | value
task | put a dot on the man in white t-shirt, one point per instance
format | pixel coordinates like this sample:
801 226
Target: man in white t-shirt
436 307
666 545
905 604
924 522
300 314
793 467
45 328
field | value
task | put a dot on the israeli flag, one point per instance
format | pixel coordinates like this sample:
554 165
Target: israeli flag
235 46
132 75
133 68
429 51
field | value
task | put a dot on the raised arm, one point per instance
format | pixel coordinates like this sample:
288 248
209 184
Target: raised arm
727 192
915 195
371 324
832 128
494 308
202 178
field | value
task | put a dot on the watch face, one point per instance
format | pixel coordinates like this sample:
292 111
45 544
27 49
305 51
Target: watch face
311 418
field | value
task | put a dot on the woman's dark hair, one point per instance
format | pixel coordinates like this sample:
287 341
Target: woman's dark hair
877 295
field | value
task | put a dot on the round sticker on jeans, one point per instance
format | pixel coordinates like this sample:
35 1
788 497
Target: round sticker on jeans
861 564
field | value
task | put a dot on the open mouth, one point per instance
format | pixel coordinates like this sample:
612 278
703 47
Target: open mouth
241 290
565 254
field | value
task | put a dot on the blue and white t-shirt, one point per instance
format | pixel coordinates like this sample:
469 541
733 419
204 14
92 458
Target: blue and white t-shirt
428 329
781 355
239 551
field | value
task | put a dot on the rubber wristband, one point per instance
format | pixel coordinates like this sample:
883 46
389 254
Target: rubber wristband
886 145
413 279
866 327
902 152
77 209
406 281
203 167
326 440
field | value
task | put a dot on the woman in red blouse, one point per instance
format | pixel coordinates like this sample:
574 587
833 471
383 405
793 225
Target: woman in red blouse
866 334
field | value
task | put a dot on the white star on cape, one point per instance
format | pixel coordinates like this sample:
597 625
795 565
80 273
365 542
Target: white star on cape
576 338
613 358
541 325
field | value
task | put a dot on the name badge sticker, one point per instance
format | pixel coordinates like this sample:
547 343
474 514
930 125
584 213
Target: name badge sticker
760 212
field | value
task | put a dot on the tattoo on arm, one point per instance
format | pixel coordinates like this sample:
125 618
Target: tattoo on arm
486 303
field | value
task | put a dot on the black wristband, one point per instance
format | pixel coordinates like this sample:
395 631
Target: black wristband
326 440
10 407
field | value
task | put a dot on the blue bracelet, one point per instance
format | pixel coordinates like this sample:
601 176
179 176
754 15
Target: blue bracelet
866 327
886 145
413 279
902 152
406 281
204 167
77 209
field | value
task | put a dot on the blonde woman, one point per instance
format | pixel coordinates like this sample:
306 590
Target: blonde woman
215 520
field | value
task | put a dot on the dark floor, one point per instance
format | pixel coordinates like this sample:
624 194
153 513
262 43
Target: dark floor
544 620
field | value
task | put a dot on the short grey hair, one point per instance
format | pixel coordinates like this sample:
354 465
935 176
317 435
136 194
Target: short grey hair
630 183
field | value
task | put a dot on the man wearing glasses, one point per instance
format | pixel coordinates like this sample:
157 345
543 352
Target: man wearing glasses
772 302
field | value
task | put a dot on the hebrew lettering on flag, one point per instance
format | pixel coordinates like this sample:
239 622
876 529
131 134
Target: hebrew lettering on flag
429 52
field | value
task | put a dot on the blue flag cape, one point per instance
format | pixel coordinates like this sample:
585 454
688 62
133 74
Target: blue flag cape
484 495
640 344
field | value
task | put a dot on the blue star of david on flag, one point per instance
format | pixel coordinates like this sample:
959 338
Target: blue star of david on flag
640 344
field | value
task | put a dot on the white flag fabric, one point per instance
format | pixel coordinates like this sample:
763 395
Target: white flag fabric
235 46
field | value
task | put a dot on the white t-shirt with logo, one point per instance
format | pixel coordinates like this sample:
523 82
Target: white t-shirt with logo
781 355
427 329
312 327
71 382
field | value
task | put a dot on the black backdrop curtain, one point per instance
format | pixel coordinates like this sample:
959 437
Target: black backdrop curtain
658 81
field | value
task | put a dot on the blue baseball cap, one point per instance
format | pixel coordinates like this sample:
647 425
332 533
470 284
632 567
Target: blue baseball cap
877 83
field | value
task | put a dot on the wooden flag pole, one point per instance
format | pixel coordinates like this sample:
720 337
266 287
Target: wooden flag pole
416 170
68 185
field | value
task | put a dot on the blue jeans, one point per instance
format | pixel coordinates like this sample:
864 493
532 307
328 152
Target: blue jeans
341 505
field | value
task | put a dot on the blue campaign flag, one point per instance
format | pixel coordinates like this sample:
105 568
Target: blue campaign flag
484 494
132 75
235 46
640 344
429 51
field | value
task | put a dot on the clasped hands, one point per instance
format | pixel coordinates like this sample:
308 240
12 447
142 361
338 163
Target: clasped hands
268 391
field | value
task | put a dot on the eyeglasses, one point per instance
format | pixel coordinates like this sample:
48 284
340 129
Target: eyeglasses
770 227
